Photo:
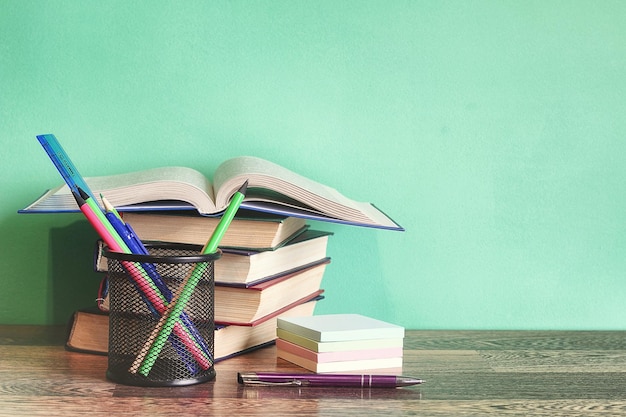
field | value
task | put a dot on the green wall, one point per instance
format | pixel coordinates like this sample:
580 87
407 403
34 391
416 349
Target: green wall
493 131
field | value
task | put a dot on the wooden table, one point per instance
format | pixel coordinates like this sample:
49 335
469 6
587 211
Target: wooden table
467 373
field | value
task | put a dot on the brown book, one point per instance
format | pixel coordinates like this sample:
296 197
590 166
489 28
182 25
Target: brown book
237 305
88 331
245 268
246 305
248 267
258 231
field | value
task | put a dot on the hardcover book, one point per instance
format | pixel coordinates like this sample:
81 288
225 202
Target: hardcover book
271 188
248 230
236 305
246 305
248 267
88 332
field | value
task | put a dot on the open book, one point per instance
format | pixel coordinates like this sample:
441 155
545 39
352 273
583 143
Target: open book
271 188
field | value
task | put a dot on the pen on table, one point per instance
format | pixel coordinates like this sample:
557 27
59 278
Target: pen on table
152 348
325 380
95 216
137 247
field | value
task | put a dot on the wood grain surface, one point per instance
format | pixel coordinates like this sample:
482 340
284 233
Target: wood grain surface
518 373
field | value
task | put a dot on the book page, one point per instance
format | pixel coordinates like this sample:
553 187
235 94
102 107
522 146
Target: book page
271 189
311 195
166 183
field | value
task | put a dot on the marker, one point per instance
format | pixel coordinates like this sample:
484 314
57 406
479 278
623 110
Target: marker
326 380
152 348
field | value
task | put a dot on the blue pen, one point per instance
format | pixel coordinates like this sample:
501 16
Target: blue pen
136 246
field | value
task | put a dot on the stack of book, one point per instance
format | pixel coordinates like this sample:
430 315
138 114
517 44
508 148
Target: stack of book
345 343
271 266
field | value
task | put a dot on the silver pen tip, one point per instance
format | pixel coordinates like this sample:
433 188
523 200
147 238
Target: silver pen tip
406 381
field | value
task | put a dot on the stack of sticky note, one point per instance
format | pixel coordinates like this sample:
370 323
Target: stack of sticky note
346 343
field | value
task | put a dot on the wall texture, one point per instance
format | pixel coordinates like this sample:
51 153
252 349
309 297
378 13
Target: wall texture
494 132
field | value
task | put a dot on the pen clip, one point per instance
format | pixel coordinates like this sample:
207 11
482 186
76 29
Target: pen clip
291 383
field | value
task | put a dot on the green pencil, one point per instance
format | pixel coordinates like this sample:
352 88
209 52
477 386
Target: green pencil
152 348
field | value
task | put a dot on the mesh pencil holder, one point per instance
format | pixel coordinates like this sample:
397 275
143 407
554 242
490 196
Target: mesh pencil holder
140 290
